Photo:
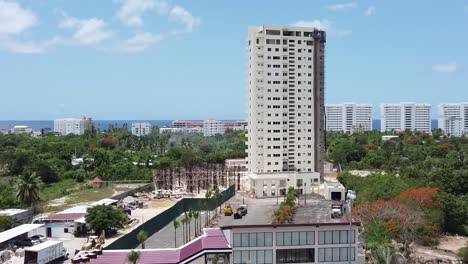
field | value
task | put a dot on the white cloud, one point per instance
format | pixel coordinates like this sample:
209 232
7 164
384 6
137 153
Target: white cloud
342 6
324 24
319 24
140 42
15 19
88 31
445 67
178 13
131 11
27 47
370 11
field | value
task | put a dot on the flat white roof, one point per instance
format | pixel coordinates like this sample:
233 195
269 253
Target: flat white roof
17 231
105 201
75 209
43 245
11 212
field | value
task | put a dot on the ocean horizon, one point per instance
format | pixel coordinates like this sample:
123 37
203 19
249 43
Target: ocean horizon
104 124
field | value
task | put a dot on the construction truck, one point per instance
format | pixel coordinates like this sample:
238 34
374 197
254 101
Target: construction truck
228 210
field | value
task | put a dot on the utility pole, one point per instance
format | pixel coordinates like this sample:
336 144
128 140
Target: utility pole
351 197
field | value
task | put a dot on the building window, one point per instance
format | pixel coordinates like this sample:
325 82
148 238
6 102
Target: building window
335 237
260 239
253 256
295 238
303 255
335 254
65 230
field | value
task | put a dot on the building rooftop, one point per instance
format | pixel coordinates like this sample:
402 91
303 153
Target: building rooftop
11 212
212 241
17 231
65 217
44 245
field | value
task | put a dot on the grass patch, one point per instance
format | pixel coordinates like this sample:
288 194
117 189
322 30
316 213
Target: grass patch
59 189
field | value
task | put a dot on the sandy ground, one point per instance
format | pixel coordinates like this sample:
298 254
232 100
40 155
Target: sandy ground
452 243
447 248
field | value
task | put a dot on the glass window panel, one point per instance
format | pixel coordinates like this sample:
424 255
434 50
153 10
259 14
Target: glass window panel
353 236
336 237
268 256
244 239
343 237
252 240
287 238
237 240
295 238
268 239
260 256
336 254
303 238
253 256
352 253
321 237
279 239
328 254
260 239
310 238
245 256
344 254
328 237
321 254
237 257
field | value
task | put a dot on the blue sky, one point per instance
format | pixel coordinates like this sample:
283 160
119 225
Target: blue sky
176 59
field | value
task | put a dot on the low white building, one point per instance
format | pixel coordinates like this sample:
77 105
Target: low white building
21 130
141 129
183 130
273 184
212 127
334 191
18 214
66 126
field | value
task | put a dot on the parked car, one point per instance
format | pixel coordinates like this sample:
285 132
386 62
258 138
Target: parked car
41 238
237 215
27 242
242 209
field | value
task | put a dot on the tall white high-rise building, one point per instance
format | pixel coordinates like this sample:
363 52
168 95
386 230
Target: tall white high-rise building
212 127
405 116
453 118
285 138
348 117
140 129
65 126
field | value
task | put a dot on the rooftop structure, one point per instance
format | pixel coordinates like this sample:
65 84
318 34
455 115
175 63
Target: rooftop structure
18 214
18 231
212 241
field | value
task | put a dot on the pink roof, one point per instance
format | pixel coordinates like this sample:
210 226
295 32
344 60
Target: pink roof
65 217
97 180
212 239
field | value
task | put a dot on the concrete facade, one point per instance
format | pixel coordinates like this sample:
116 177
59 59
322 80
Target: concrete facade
348 117
141 129
285 136
212 127
405 116
65 126
453 118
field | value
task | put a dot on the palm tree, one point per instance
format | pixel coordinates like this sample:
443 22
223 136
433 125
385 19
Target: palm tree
133 256
196 214
208 195
190 215
183 221
28 186
142 236
176 225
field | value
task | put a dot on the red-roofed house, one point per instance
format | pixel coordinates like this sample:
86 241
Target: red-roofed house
97 182
64 223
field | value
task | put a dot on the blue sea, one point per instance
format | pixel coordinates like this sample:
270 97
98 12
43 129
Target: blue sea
104 124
